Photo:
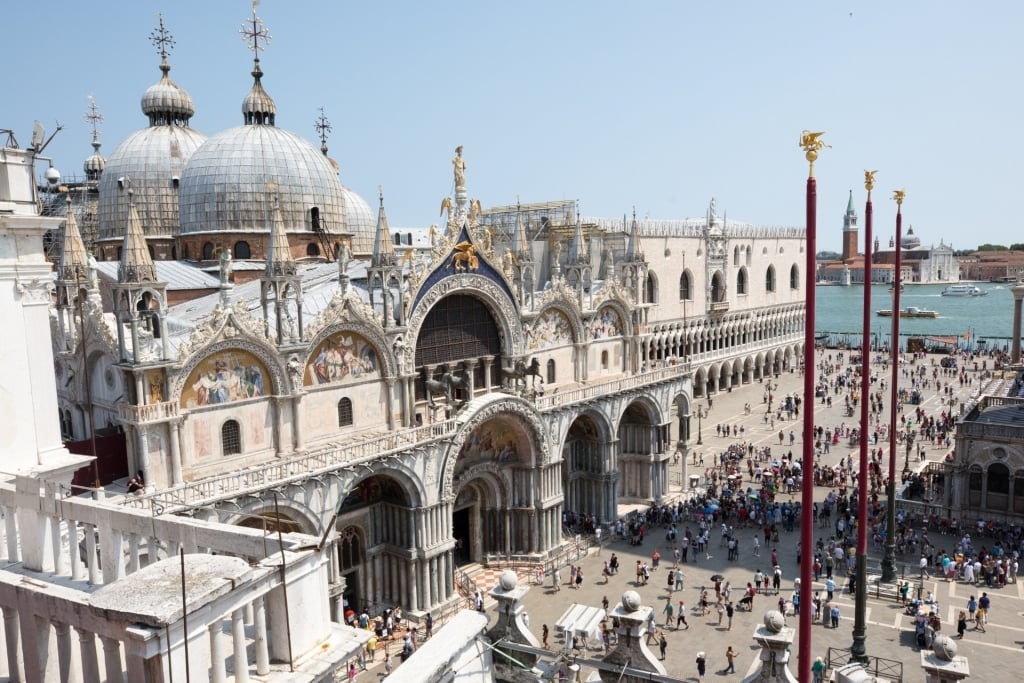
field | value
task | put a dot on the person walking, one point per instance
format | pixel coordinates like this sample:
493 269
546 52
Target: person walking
818 669
730 655
579 577
679 579
556 579
668 612
961 624
835 616
544 633
701 666
662 645
830 587
681 618
729 611
972 607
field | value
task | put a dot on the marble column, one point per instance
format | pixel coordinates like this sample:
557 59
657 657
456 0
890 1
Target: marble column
112 659
241 659
218 671
87 654
259 618
12 640
298 439
174 427
70 668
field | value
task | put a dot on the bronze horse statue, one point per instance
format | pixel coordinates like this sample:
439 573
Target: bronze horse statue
520 371
445 387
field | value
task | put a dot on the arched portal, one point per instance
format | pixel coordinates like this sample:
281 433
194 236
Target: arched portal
642 443
588 480
495 492
373 527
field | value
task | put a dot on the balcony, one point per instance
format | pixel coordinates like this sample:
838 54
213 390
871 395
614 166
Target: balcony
719 307
154 412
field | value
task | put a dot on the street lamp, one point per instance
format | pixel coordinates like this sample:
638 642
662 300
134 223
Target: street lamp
700 434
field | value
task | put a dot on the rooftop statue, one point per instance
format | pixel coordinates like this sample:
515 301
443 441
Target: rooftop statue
459 166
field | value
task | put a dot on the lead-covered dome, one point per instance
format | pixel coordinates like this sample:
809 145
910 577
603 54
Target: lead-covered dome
152 160
910 240
231 182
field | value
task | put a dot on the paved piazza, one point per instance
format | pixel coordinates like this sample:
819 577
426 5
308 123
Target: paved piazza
890 630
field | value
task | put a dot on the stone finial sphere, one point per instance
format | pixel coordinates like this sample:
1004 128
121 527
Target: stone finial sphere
631 601
508 580
774 621
944 648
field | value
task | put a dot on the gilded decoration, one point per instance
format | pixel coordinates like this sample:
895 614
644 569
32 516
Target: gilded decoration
225 322
342 357
344 307
225 377
551 328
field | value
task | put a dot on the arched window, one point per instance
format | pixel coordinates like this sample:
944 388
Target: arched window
345 412
604 360
998 485
717 287
184 252
174 253
551 371
242 250
685 287
769 279
794 277
312 249
207 251
652 289
748 256
230 438
736 256
741 281
350 549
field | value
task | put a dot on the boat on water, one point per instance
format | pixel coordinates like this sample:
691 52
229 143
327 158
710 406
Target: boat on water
910 312
963 290
893 287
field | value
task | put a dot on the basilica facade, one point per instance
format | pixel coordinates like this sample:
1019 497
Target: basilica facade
416 408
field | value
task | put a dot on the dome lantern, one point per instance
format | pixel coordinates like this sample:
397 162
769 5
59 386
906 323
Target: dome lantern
258 108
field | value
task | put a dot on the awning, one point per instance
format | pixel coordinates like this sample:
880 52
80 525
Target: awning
580 620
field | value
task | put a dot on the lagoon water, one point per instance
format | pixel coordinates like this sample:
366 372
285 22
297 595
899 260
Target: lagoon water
989 318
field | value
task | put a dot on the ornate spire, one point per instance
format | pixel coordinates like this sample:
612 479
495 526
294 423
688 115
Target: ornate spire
323 130
94 165
577 248
163 41
634 252
383 248
279 259
73 260
136 263
520 245
258 108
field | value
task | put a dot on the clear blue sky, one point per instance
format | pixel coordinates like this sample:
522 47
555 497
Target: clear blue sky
661 105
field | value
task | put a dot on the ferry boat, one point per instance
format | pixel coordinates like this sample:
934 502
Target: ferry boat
963 290
910 312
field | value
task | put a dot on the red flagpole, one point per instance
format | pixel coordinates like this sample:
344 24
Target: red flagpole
811 144
889 562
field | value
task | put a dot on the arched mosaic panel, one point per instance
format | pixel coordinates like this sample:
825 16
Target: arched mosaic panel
225 377
342 357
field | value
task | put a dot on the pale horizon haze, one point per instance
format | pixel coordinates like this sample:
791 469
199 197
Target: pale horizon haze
654 105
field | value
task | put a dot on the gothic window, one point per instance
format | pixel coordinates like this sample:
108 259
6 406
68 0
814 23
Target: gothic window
551 371
242 250
652 289
794 277
312 249
685 286
207 251
350 549
769 279
230 438
345 412
604 360
741 281
717 288
736 256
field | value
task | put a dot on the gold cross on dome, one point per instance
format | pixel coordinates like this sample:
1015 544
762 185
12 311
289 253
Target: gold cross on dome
322 126
253 31
162 39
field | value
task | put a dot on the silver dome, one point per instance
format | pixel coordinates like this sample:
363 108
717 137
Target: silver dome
165 102
226 186
152 158
360 219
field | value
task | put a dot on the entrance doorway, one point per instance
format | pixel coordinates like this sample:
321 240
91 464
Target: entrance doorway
460 532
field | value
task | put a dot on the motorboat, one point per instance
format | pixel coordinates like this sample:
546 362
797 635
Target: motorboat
963 290
909 312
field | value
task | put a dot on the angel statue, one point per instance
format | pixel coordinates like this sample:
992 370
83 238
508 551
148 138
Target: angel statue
869 180
509 263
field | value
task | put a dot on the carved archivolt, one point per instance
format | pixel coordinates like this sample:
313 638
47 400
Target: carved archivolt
346 307
503 309
224 323
502 407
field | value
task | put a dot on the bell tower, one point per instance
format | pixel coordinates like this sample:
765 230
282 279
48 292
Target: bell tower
850 231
